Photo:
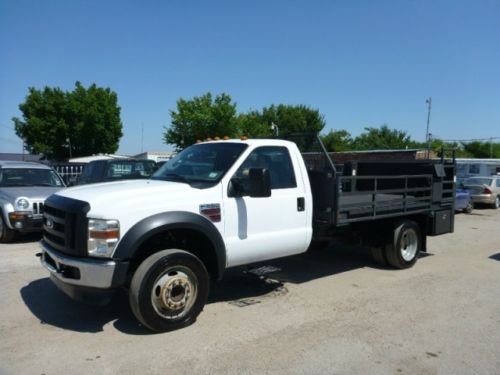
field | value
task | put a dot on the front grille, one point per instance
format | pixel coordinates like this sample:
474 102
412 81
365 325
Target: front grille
37 208
65 224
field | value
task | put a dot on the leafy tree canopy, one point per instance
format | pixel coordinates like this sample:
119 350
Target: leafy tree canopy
383 138
204 117
61 124
200 118
484 150
337 141
293 118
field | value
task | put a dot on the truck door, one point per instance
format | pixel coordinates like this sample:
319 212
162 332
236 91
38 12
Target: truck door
263 228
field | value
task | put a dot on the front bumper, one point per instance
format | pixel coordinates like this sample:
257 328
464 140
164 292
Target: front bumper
84 279
26 223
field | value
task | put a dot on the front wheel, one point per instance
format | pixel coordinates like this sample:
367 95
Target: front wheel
496 204
468 209
6 234
403 251
169 290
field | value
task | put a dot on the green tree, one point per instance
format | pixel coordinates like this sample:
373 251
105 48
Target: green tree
383 138
293 118
337 140
61 124
483 150
200 118
251 124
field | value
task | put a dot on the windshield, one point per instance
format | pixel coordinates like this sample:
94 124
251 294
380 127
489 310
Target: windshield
130 169
478 181
29 177
203 163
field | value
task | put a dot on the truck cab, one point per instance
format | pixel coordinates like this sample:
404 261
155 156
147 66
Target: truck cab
227 203
219 204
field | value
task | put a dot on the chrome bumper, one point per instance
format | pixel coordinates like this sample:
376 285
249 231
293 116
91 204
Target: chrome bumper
85 272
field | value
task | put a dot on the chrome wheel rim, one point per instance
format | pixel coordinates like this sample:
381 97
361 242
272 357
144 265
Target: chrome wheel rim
174 292
409 244
497 202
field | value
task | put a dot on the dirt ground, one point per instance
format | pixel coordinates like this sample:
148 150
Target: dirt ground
325 312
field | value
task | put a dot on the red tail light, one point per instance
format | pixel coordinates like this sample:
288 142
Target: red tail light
487 191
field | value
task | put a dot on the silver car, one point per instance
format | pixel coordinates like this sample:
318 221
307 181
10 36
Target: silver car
484 190
23 189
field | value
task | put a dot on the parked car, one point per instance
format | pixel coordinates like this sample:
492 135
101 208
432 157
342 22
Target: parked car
116 169
484 190
463 201
23 189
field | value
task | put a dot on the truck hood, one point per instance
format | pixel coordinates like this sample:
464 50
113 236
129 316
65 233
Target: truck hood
121 192
34 192
132 200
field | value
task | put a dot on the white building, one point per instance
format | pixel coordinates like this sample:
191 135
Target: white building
88 159
155 155
477 167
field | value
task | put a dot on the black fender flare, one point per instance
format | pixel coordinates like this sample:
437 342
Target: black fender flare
148 227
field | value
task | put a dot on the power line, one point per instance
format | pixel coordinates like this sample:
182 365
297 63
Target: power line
470 140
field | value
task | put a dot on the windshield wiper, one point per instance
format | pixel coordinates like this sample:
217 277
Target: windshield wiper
178 177
13 185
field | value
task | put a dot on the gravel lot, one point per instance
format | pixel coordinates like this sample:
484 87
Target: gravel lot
331 312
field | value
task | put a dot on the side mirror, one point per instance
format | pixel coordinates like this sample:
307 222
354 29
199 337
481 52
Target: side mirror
259 183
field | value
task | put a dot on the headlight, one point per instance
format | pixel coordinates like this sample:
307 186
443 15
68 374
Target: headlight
103 237
22 204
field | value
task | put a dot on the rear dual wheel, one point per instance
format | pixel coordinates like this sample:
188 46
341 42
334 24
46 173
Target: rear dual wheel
402 252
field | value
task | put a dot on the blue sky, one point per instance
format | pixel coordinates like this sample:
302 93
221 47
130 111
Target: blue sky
361 63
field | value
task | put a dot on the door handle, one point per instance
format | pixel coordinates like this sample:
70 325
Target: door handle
301 204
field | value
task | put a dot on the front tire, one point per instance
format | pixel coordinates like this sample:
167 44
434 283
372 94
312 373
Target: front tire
496 204
468 209
6 234
169 290
406 245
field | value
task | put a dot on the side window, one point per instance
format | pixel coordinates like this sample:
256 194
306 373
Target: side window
86 173
498 182
277 160
474 168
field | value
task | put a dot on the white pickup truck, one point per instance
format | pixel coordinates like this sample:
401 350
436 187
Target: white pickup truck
227 203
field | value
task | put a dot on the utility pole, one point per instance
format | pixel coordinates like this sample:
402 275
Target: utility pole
427 134
275 129
69 146
491 147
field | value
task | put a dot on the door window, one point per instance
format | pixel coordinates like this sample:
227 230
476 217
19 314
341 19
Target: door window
276 160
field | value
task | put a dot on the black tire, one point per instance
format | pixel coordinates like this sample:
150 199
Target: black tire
6 234
468 209
318 245
406 245
496 204
378 255
169 290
